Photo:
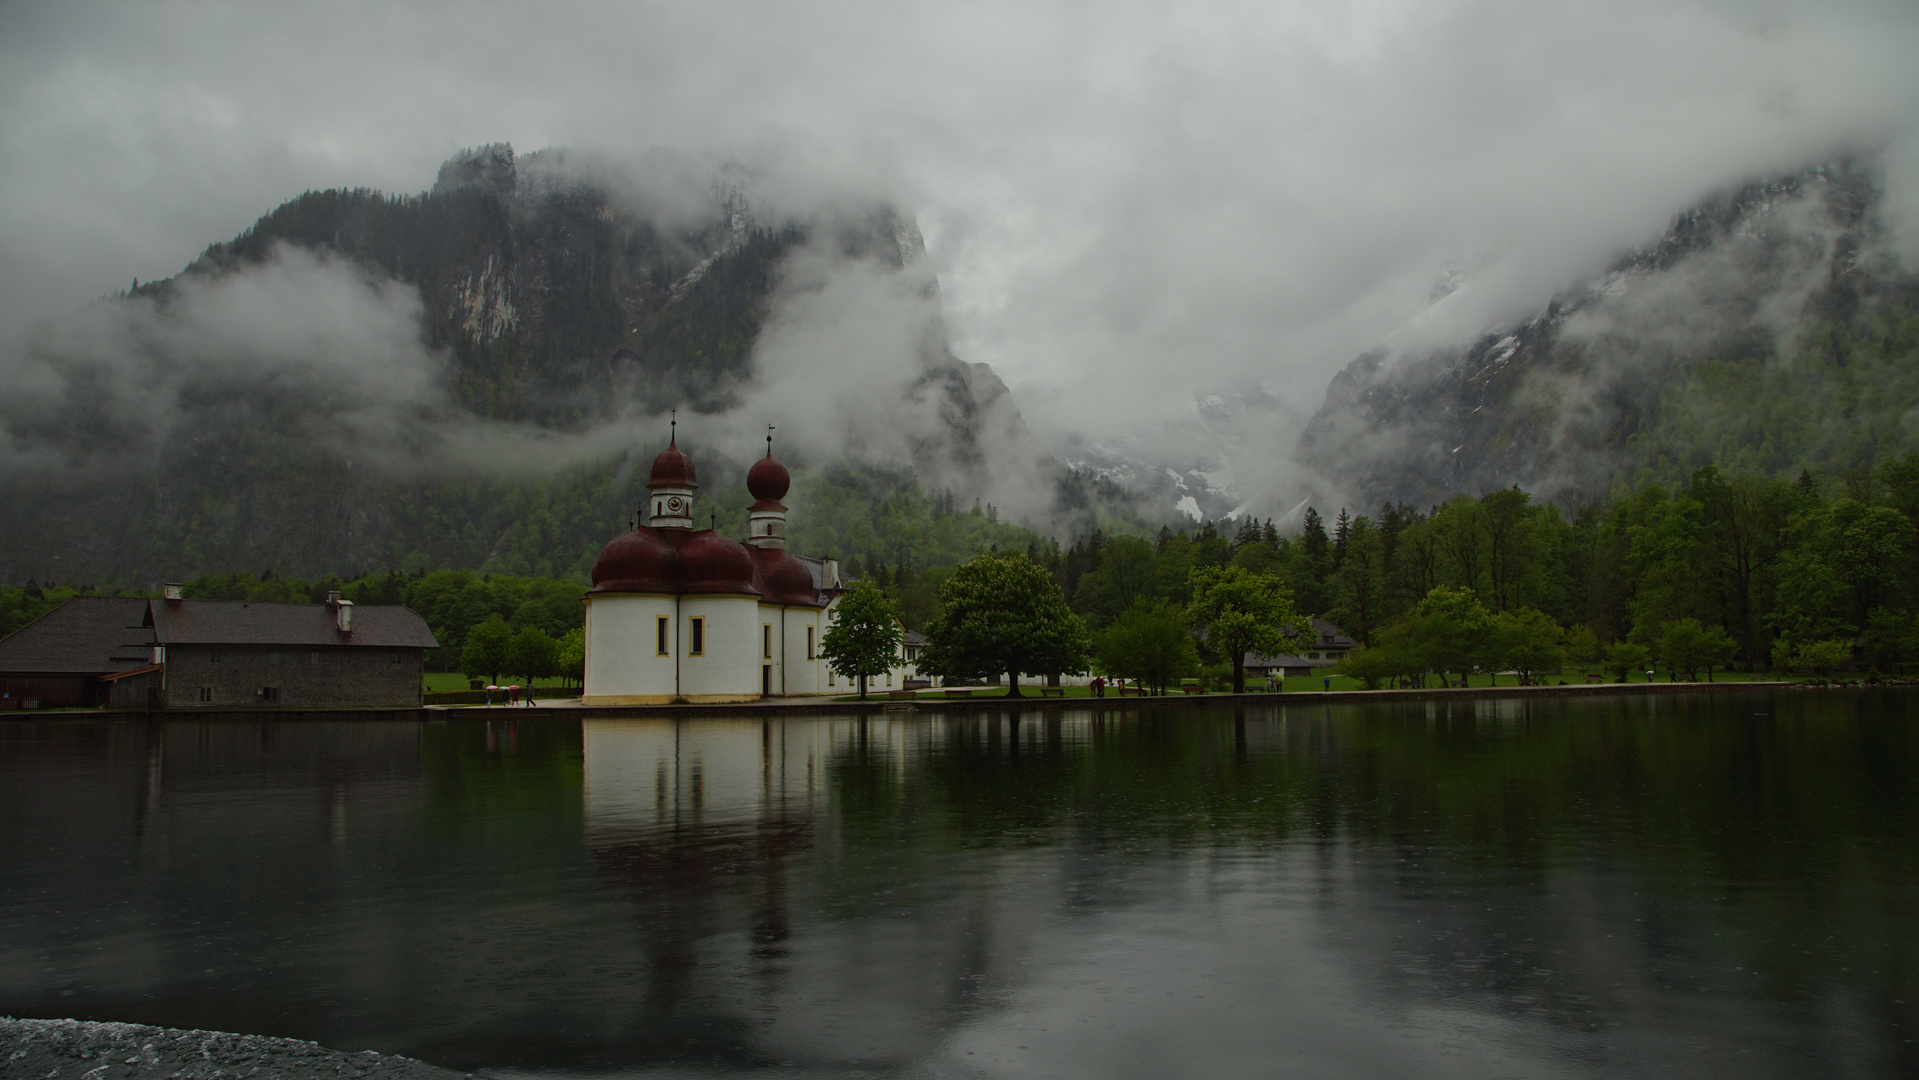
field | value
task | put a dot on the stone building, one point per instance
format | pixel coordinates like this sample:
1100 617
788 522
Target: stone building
218 654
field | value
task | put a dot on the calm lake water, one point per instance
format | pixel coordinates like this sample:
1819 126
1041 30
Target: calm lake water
1671 886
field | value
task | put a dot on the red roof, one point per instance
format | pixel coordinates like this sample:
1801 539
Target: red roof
679 562
768 481
783 579
672 468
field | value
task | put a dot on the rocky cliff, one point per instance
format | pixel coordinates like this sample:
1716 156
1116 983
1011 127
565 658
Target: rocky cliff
1766 330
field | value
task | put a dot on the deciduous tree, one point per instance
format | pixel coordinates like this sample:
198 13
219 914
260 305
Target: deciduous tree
1002 613
485 654
1151 641
1244 612
533 653
863 639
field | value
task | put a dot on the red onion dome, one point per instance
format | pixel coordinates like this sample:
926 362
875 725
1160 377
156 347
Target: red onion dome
639 561
672 468
784 579
711 563
768 480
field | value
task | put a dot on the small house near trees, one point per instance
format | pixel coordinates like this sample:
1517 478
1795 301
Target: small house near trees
1330 644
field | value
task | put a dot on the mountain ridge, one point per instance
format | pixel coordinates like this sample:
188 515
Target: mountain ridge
1630 375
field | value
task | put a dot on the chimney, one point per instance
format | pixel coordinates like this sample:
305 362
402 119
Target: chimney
342 612
173 591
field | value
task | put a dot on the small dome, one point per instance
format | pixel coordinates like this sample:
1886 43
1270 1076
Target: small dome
784 579
768 480
672 468
639 561
711 563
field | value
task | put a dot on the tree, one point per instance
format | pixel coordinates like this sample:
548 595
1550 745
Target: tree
1003 613
1820 657
1528 641
572 658
485 654
1625 656
1371 666
1243 612
1688 645
1891 640
533 653
1360 581
1582 645
1450 630
863 639
1151 641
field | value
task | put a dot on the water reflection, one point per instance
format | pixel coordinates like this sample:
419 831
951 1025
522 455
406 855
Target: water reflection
1662 886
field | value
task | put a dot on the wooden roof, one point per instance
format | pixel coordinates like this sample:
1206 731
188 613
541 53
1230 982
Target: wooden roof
87 635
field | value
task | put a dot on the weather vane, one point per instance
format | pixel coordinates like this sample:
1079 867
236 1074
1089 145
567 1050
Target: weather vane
769 440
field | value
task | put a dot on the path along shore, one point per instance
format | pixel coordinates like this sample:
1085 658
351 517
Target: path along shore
935 701
929 702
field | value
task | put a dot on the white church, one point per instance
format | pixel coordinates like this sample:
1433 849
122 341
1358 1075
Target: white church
683 614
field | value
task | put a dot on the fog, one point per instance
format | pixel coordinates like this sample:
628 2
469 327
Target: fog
1126 206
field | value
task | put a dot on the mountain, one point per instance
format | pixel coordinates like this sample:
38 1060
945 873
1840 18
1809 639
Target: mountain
1768 330
476 375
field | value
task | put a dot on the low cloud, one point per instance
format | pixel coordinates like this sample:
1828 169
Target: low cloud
1128 206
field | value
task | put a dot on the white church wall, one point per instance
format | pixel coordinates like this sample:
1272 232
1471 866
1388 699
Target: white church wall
728 667
623 665
794 671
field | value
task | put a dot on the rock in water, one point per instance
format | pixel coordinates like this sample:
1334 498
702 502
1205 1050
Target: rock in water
58 1049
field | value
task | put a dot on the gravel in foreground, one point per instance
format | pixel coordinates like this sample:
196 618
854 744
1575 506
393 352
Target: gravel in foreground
63 1049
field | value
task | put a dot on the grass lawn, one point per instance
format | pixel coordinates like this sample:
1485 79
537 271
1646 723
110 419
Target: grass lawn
438 681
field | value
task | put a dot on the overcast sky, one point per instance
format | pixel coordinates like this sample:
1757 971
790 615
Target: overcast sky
1125 202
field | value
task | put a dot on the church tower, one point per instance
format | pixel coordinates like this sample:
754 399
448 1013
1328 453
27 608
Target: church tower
672 485
767 481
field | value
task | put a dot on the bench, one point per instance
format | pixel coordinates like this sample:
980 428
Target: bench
1052 691
959 691
1596 678
1193 689
901 695
1132 691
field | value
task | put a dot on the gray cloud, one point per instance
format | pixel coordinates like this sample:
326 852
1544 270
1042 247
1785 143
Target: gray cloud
1125 204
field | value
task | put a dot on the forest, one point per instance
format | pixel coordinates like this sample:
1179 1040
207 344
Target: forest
1738 571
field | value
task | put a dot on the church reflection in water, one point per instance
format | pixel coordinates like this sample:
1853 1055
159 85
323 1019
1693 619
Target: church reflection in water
716 832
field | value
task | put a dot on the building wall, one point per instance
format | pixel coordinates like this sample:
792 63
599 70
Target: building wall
795 672
728 669
51 691
623 665
140 691
229 676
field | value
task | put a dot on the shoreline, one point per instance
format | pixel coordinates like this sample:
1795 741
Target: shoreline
934 704
930 703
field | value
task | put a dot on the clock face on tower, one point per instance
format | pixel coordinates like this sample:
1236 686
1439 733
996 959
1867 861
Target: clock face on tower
674 503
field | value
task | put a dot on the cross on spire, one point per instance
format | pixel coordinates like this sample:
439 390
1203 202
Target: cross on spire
769 440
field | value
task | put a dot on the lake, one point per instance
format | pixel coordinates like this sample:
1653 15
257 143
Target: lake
1662 885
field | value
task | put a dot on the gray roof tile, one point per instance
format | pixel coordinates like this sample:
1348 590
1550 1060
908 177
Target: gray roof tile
246 622
87 635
